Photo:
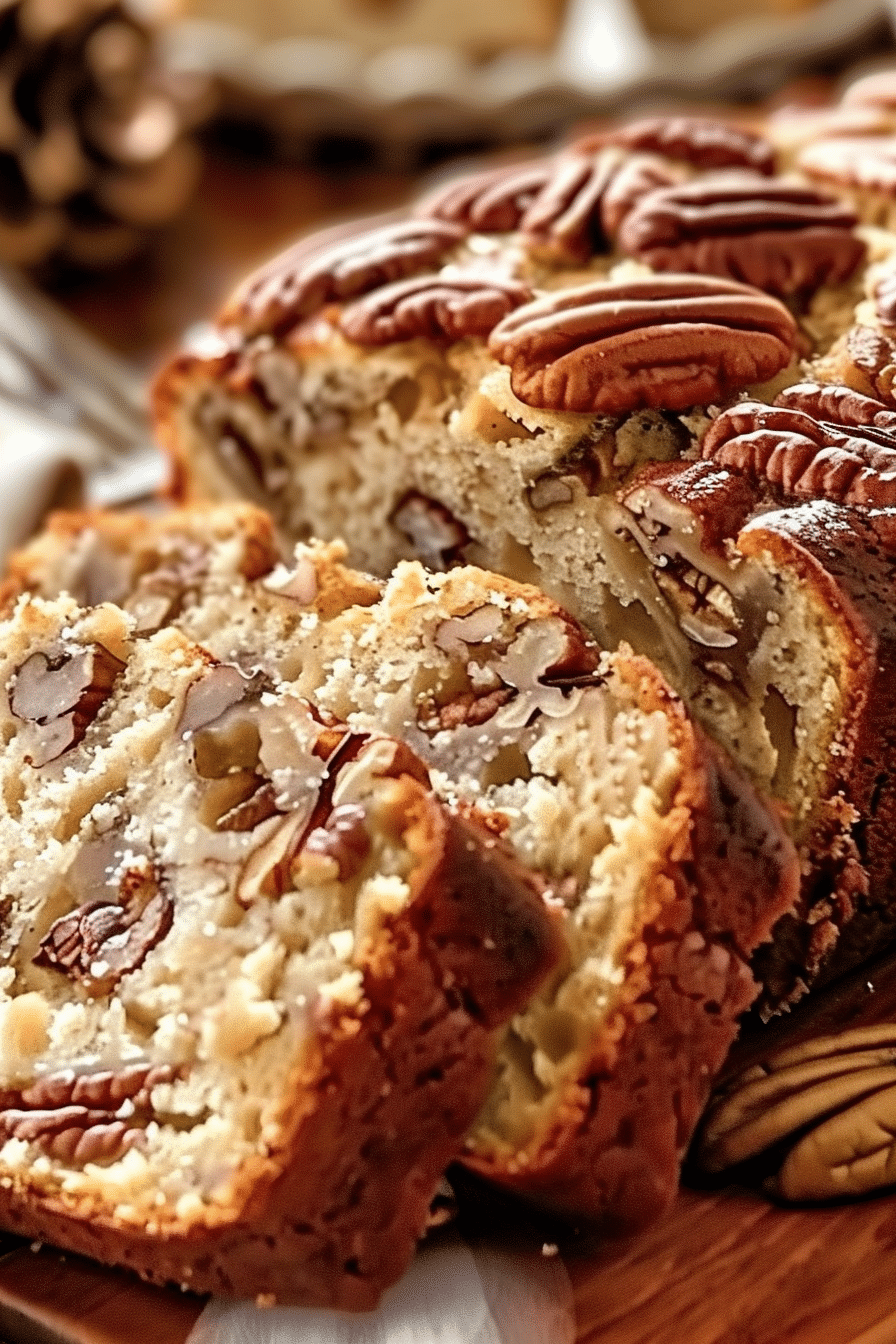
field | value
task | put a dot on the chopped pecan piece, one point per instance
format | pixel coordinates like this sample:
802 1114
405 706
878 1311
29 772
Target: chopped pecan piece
669 341
338 264
865 162
101 941
800 456
63 695
470 710
438 307
344 837
700 141
829 1104
438 538
780 236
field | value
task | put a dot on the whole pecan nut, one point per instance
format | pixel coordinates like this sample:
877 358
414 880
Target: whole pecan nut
779 236
701 141
438 307
801 456
865 162
62 695
669 341
339 264
823 1114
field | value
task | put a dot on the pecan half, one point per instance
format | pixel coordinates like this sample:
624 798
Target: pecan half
100 942
779 236
437 307
63 695
865 162
437 537
800 456
669 341
562 206
334 266
75 1117
700 141
827 1108
490 202
839 405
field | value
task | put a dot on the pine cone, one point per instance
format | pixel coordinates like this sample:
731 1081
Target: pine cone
92 150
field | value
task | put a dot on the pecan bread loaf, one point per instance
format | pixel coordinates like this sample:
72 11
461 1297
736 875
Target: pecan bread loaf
508 375
252 972
668 868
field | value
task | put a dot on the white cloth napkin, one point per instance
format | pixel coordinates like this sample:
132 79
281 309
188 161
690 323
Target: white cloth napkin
450 1295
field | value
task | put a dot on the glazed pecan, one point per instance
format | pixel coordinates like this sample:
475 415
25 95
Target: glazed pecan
822 1114
668 341
871 360
491 202
101 941
865 162
841 406
565 207
798 455
338 264
438 307
75 1118
62 694
779 236
700 141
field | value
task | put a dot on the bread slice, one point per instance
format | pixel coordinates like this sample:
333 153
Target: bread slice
252 973
669 869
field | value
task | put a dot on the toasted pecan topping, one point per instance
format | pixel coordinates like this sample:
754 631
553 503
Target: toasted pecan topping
63 695
780 236
434 306
101 941
799 455
338 264
700 141
867 162
565 207
491 202
669 341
